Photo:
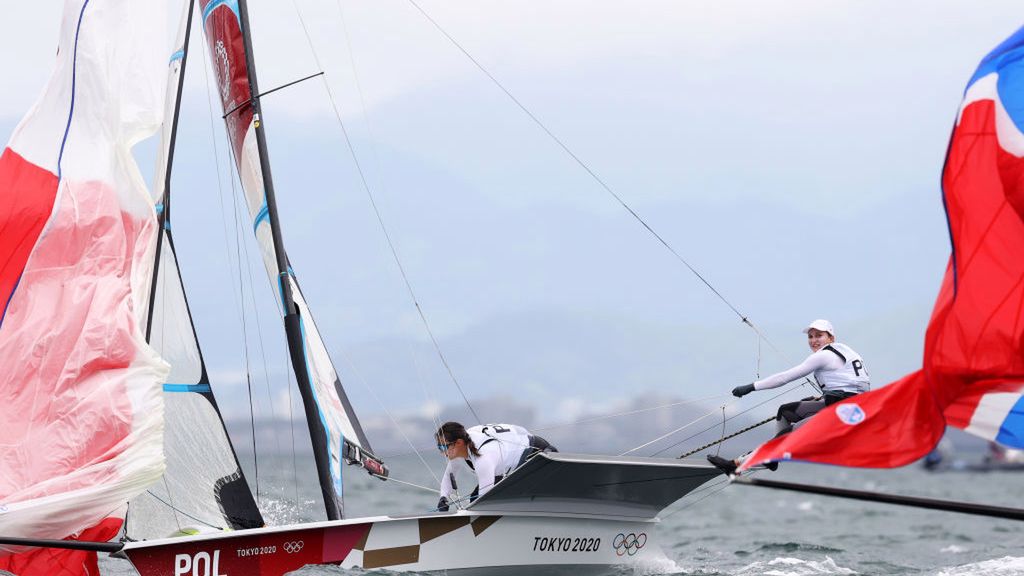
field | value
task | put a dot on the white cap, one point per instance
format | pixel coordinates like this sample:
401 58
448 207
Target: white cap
821 324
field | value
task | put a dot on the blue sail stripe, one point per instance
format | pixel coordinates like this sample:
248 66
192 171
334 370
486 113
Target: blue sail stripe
1011 432
263 214
187 388
74 78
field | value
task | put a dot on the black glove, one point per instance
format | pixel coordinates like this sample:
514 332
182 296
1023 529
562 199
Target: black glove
741 391
442 504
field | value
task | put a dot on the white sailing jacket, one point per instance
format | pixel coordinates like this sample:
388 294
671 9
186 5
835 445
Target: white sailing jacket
836 367
500 445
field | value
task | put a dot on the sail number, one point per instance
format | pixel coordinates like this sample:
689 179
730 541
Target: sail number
201 564
566 544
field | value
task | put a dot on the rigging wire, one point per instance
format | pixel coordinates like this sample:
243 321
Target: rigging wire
588 420
240 205
227 246
390 416
380 218
629 412
177 511
698 419
579 161
394 250
737 415
421 375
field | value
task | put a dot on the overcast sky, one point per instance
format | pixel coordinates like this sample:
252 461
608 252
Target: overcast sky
790 151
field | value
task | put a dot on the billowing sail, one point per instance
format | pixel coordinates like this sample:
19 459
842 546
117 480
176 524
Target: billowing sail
203 487
973 370
336 434
80 398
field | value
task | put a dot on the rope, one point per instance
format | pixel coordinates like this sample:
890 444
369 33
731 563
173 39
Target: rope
240 296
724 438
414 485
586 168
737 415
380 218
667 434
628 413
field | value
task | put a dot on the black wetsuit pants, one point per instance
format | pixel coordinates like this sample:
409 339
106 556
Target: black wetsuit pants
793 412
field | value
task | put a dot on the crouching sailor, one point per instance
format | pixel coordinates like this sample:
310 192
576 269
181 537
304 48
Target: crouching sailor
492 451
838 369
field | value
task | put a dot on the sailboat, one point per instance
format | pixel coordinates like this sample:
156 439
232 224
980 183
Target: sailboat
127 379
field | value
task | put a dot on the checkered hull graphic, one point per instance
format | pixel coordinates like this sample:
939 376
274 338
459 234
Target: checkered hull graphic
437 542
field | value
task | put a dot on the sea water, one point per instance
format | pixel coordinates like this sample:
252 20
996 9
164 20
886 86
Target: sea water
737 530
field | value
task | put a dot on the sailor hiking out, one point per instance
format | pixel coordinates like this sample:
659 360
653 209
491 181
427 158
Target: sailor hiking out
492 451
837 367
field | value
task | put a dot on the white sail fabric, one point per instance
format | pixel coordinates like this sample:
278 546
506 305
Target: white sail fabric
203 485
340 434
80 396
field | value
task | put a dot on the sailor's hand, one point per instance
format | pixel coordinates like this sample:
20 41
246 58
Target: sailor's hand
741 391
442 504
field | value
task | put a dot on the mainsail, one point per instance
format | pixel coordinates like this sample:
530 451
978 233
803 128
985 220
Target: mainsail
203 486
81 404
973 370
335 431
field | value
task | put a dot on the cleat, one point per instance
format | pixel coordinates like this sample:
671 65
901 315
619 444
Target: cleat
728 467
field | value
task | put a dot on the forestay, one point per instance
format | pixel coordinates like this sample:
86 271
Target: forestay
336 434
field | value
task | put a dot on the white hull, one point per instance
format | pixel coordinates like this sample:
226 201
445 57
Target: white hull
481 542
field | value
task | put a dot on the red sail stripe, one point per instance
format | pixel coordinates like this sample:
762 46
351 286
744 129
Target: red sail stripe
27 193
57 562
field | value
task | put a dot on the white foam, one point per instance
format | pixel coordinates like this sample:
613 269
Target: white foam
953 549
1005 566
794 567
657 565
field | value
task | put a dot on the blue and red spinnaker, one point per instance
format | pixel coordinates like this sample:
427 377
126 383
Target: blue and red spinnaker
972 375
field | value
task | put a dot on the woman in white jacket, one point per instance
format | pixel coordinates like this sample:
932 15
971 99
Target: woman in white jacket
839 370
492 451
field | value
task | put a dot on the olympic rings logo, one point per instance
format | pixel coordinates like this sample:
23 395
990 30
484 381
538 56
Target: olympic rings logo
293 547
629 543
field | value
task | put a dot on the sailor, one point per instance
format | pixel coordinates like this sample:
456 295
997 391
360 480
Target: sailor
839 370
492 451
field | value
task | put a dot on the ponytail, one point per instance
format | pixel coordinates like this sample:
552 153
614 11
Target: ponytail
449 432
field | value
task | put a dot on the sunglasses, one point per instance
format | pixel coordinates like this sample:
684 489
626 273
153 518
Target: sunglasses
443 447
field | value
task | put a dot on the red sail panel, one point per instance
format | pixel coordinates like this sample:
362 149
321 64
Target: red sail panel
79 387
973 369
24 210
227 49
57 562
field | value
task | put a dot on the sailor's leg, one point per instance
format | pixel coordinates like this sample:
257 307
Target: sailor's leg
807 409
785 417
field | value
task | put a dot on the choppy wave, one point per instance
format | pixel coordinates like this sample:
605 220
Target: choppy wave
1006 566
798 547
793 567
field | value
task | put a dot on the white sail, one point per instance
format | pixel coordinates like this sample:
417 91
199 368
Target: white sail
80 396
203 486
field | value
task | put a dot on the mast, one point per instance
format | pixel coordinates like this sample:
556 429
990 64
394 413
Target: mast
163 214
291 316
205 485
334 430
